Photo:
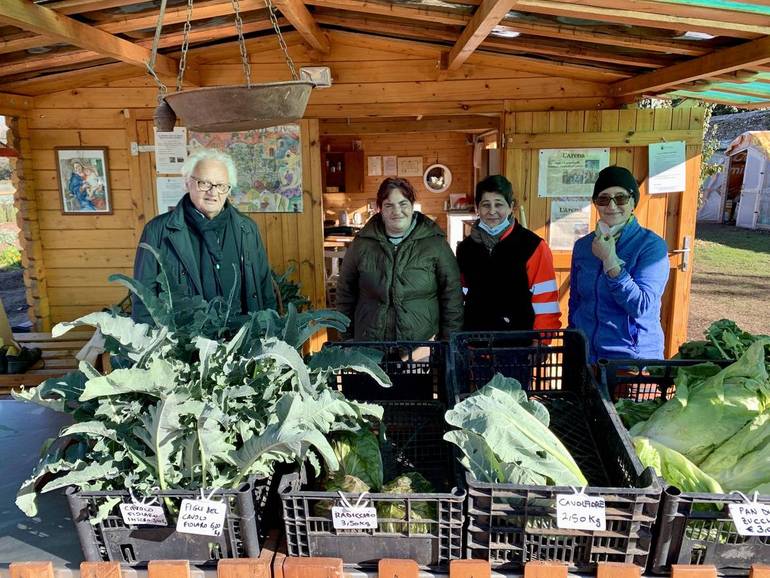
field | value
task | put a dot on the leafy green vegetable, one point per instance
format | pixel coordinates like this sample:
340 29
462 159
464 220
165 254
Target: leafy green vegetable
634 412
408 483
359 456
673 467
205 399
505 438
710 405
724 340
743 461
346 484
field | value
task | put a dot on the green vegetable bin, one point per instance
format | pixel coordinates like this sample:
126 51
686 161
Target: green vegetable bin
692 528
511 524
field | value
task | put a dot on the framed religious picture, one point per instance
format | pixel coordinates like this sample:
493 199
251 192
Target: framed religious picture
84 180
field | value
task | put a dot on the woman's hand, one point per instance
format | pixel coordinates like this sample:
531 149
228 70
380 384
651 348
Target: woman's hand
603 247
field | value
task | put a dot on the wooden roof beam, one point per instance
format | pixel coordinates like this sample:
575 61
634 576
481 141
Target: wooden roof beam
718 62
641 18
298 15
143 20
487 16
41 20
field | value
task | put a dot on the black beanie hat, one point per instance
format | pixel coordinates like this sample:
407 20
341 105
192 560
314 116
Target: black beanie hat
615 176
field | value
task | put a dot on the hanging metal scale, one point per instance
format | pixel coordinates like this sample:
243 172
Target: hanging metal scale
232 108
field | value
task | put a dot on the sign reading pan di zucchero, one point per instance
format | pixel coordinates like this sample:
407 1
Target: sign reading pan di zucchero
570 172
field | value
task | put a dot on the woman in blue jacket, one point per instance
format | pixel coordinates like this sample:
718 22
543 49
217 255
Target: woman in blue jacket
619 273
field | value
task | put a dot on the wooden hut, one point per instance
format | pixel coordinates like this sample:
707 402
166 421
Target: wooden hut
414 78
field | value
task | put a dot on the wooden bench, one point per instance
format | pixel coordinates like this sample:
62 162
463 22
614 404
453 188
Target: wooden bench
58 357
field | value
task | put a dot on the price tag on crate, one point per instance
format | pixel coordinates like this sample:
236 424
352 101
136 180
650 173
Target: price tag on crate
580 511
202 517
751 519
137 514
352 518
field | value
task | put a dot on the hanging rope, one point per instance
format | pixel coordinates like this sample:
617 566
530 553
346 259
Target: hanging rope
162 90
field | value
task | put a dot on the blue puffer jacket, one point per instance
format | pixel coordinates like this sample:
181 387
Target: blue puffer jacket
620 316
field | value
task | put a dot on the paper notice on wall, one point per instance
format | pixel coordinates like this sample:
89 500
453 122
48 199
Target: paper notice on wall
389 166
170 151
374 166
170 191
667 167
570 172
570 220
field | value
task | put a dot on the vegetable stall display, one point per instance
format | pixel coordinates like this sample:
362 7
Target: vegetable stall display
705 429
201 406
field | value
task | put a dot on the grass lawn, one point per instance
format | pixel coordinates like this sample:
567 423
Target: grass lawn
731 279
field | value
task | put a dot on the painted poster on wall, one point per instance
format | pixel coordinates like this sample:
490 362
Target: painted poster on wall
269 166
570 172
570 220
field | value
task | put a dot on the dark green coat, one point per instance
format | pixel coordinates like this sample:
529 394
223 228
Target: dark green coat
408 292
169 235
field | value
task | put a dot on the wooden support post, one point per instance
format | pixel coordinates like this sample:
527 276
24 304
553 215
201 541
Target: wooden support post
692 571
397 568
469 569
168 569
243 568
294 567
100 570
618 570
545 570
31 569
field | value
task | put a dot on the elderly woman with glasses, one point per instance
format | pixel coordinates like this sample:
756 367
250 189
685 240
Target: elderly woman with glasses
619 273
207 246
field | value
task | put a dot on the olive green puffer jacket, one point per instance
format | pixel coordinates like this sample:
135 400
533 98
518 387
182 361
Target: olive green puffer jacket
408 292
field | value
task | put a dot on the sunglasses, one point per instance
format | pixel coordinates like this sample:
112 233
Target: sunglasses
620 200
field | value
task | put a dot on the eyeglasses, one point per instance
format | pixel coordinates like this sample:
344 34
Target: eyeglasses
620 200
206 186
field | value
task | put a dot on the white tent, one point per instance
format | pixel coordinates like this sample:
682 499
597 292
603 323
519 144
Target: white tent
713 192
754 204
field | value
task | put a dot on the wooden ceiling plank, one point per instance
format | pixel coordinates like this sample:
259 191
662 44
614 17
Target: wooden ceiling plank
589 34
486 58
297 14
639 18
487 16
388 9
748 54
41 20
80 6
17 101
721 14
74 78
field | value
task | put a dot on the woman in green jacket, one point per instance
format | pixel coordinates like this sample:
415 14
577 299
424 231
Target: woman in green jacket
399 278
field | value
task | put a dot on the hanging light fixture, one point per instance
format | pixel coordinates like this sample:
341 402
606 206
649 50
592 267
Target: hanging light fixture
229 108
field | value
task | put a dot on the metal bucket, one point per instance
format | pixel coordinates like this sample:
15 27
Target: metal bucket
239 108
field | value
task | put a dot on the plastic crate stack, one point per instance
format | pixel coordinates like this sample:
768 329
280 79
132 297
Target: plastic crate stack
512 524
414 424
692 528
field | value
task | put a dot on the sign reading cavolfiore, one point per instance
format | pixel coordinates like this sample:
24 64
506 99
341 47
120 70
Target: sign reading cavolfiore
143 515
580 512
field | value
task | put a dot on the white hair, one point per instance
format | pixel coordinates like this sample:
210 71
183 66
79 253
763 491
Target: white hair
210 154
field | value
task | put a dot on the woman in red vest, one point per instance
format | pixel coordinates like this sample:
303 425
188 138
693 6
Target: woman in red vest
507 270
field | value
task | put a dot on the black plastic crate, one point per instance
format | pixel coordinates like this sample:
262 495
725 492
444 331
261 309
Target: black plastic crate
418 370
692 528
511 524
539 360
112 540
414 430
